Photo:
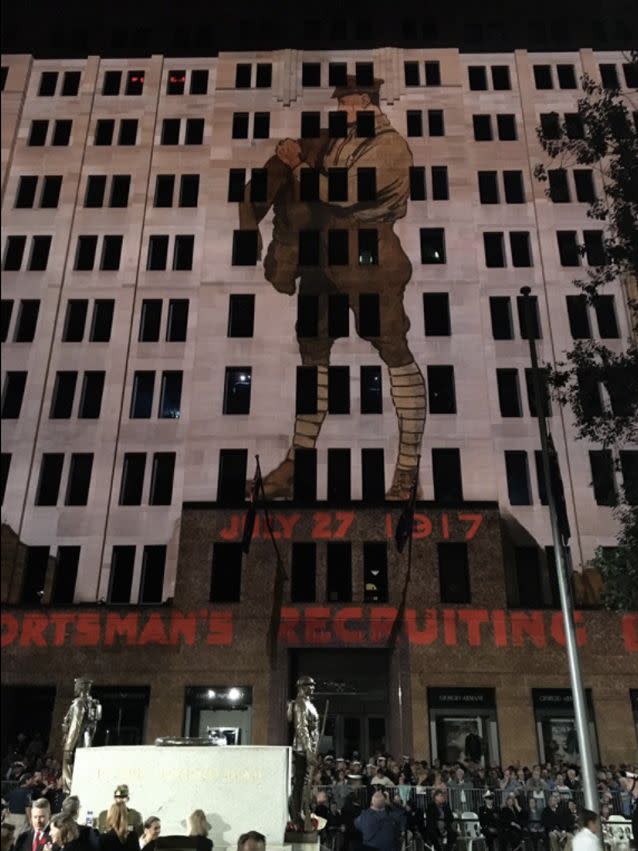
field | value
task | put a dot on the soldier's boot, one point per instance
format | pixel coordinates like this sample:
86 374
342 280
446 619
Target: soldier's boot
407 388
279 483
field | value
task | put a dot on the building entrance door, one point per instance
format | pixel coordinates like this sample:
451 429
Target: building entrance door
354 685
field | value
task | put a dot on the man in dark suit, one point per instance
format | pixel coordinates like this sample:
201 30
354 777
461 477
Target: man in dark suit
36 838
439 822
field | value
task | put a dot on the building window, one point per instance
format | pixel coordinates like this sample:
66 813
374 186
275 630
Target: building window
104 129
534 317
432 245
38 133
308 316
7 310
170 395
337 74
111 253
65 576
241 315
226 573
517 471
14 384
366 184
170 131
4 476
112 82
369 315
305 477
629 468
339 572
432 74
85 253
544 389
310 125
50 478
494 250
152 582
509 397
368 247
13 253
550 125
311 74
35 573
237 390
609 77
338 311
245 244
231 482
584 183
121 578
578 317
132 478
95 189
506 127
240 125
440 188
91 395
574 126
446 474
142 396
441 393
175 82
594 248
63 395
39 257
102 321
365 125
417 183
75 320
436 314
605 309
162 474
477 78
157 253
372 475
263 75
338 475
120 187
411 73
603 480
194 134
306 394
51 187
436 126
501 78
243 75
482 128
261 125
80 468
27 321
177 323
454 574
183 253
566 76
61 133
543 77
150 320
309 248
375 572
236 185
414 122
337 124
303 573
339 389
25 196
371 390
488 187
513 184
558 185
48 82
568 248
134 83
520 249
337 184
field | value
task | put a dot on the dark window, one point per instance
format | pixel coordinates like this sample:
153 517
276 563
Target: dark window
199 81
517 478
372 475
411 73
70 83
528 577
65 577
170 131
6 465
488 187
544 390
337 74
120 186
195 131
162 474
371 390
338 184
134 83
606 316
50 477
630 71
550 125
75 320
241 315
38 134
366 184
417 183
27 321
578 317
365 125
226 573
243 74
61 133
311 74
261 125
436 312
494 251
51 192
170 395
237 390
368 247
574 126
558 185
95 188
338 315
35 573
25 196
482 128
310 125
339 390
477 78
514 191
540 477
164 186
39 257
157 253
236 186
132 478
337 124
501 78
432 245
175 82
77 491
152 583
609 76
375 572
303 573
231 484
309 185
245 247
339 572
594 248
183 254
589 394
566 76
534 317
121 578
339 475
454 574
4 73
7 310
432 74
629 467
111 253
414 120
436 126
602 473
142 395
307 316
520 248
263 76
584 182
48 82
506 127
14 252
309 248
568 248
91 396
306 394
177 324
112 81
364 73
446 474
509 397
63 394
440 190
258 185
85 253
441 391
369 315
150 320
305 479
14 384
338 254
543 77
102 320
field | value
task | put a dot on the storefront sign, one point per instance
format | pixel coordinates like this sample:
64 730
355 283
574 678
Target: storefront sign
556 698
461 698
300 626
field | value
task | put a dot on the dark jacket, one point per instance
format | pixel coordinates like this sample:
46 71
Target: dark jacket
24 842
553 819
204 843
489 819
110 841
432 818
379 829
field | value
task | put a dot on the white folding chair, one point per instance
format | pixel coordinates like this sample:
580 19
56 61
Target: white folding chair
471 831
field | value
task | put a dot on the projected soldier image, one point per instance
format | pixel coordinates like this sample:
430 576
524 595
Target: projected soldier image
335 198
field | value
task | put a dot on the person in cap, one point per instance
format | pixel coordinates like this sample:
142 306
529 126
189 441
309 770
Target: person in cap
304 717
488 817
374 273
134 819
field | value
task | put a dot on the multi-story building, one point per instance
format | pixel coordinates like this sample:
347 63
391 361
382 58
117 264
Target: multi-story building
147 358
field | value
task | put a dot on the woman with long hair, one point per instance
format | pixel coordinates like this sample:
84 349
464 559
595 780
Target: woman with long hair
119 835
198 826
152 829
64 832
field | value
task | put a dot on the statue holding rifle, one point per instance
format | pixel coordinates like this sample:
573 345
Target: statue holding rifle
305 719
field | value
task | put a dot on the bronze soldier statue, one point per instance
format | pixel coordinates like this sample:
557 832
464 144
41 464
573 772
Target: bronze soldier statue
305 719
79 726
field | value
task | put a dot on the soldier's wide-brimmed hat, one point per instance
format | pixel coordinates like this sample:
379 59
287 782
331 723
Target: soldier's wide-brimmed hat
352 87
